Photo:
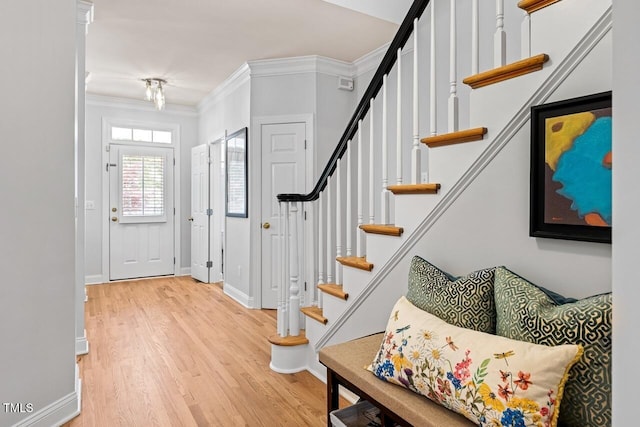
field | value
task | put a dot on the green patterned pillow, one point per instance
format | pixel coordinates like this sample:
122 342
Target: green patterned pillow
528 313
466 301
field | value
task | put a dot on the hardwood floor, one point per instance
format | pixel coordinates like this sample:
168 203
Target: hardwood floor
176 352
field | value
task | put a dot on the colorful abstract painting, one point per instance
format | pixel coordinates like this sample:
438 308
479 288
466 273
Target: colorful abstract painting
571 168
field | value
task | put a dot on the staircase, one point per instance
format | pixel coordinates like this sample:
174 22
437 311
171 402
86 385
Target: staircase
394 174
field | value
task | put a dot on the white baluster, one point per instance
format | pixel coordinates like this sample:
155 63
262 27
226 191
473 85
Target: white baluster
372 209
475 37
338 223
330 258
525 38
416 164
348 217
433 110
359 232
321 237
294 294
286 238
282 284
384 200
500 38
399 121
453 95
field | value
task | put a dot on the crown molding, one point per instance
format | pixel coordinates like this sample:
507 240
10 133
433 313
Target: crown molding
232 83
300 65
84 12
95 100
370 61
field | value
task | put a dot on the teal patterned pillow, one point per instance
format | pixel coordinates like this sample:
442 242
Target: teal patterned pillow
466 301
528 313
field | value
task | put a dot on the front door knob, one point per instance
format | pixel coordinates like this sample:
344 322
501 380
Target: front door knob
266 225
114 218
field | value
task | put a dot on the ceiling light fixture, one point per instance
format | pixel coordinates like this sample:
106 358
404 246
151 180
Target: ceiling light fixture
154 91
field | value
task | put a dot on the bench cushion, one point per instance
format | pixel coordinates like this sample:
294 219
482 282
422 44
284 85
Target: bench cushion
349 360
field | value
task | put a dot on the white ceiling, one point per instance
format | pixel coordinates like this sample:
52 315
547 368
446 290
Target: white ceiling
196 44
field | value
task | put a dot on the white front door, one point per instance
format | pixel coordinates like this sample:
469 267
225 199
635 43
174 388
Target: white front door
200 213
141 212
283 171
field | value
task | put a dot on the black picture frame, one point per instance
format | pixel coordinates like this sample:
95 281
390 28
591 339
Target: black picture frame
237 174
570 194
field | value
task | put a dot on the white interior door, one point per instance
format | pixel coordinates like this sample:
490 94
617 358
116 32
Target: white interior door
141 212
200 213
283 171
216 195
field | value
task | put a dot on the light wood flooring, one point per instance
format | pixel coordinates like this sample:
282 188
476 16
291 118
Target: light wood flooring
176 352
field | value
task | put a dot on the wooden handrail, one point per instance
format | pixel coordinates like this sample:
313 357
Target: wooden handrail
389 60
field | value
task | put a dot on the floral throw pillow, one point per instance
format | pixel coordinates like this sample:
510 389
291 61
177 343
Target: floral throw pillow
491 380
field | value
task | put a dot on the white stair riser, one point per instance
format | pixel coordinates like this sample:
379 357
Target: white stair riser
381 247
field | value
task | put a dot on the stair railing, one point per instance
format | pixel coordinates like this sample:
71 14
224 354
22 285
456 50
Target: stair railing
333 190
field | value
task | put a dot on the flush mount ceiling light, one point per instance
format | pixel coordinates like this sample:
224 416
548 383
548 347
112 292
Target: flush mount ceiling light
154 91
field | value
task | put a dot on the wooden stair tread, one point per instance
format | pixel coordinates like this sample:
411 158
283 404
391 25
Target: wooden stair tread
334 289
506 72
532 5
289 340
355 262
466 135
414 188
387 230
315 313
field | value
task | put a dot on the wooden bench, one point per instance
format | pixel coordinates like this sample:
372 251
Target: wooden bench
346 367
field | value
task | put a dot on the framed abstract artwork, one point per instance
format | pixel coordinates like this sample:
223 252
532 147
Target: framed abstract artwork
571 169
237 174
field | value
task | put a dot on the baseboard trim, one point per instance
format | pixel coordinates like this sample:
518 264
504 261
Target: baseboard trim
239 296
95 279
59 412
82 344
185 271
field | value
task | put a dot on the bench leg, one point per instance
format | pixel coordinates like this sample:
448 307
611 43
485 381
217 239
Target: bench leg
333 397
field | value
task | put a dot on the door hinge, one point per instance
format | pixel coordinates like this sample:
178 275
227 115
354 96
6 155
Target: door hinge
209 264
174 161
209 212
305 144
305 286
174 260
305 215
209 161
174 211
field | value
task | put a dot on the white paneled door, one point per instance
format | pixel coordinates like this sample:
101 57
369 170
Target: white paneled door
200 213
141 212
283 171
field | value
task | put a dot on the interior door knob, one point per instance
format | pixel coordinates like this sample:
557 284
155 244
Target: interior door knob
114 218
190 218
266 225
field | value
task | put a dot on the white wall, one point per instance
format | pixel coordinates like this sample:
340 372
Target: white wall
37 360
99 108
229 110
626 203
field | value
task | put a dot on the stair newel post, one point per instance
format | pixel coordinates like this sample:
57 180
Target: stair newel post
399 121
475 37
453 90
359 232
294 293
372 208
416 163
500 38
321 237
433 109
330 257
338 223
525 36
349 213
384 199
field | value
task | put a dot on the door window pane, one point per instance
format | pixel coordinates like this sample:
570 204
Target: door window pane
142 135
162 136
143 185
121 134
